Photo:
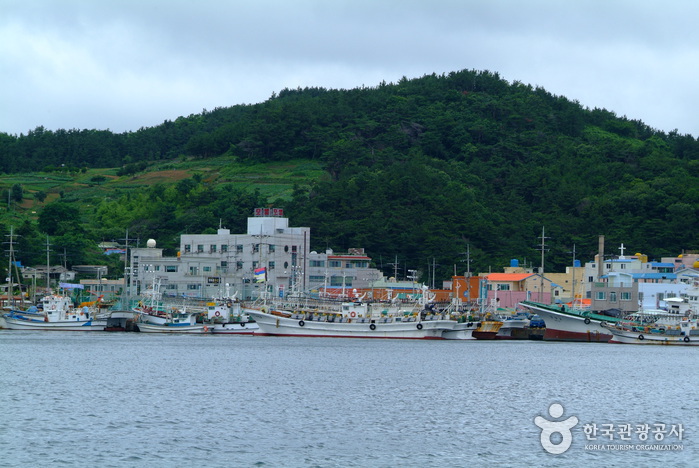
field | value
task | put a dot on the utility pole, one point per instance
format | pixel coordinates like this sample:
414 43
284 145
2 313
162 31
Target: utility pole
541 270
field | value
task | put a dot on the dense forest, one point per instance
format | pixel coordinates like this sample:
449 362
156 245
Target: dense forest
421 170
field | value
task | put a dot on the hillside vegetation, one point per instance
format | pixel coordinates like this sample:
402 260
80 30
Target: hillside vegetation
420 170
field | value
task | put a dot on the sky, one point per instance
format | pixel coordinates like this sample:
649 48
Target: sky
126 64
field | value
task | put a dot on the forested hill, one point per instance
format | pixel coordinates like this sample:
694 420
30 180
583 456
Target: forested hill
425 168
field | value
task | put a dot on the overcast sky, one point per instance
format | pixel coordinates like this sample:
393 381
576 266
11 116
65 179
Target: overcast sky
126 64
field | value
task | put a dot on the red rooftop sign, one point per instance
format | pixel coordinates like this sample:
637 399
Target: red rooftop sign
269 212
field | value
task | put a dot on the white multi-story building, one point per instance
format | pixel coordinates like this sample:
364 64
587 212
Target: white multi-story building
271 254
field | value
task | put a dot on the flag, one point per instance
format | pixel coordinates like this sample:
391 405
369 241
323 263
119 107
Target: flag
260 275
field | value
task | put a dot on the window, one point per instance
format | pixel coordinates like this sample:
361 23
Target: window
193 270
272 248
271 265
171 286
317 263
255 247
239 248
601 296
171 268
316 279
623 266
200 248
224 248
254 265
213 248
625 296
590 279
503 287
192 287
612 296
206 268
334 264
238 265
338 281
187 248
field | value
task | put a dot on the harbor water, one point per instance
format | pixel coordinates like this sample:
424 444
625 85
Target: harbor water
86 399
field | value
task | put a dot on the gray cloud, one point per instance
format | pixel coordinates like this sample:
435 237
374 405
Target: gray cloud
124 64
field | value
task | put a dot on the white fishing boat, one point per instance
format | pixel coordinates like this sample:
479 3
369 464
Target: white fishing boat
655 328
226 316
58 314
175 321
567 324
353 319
676 324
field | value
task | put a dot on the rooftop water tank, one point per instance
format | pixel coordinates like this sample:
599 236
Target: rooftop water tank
514 263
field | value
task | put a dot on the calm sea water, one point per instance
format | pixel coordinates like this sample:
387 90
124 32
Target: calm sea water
127 399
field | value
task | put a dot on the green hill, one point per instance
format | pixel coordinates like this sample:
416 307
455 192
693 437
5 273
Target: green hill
421 169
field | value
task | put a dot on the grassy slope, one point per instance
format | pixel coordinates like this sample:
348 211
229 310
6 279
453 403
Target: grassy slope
274 180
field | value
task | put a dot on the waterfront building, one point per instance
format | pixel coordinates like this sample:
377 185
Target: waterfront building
271 256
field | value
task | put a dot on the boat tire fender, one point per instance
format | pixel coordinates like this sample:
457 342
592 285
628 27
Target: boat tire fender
587 321
372 326
686 339
419 326
301 323
641 337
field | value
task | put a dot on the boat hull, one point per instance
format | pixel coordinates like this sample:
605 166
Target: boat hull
628 337
174 328
234 328
284 326
487 330
461 331
22 324
567 326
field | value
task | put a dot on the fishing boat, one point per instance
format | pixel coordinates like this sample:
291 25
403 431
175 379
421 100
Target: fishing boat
174 321
655 327
567 324
352 319
226 316
514 326
487 329
676 324
58 314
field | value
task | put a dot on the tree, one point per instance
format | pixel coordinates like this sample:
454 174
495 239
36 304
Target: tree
17 193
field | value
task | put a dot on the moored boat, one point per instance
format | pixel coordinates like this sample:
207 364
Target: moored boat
227 317
674 325
566 324
487 329
58 314
655 328
351 320
175 321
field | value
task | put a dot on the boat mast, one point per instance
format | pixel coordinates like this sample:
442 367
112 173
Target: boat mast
10 288
48 268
